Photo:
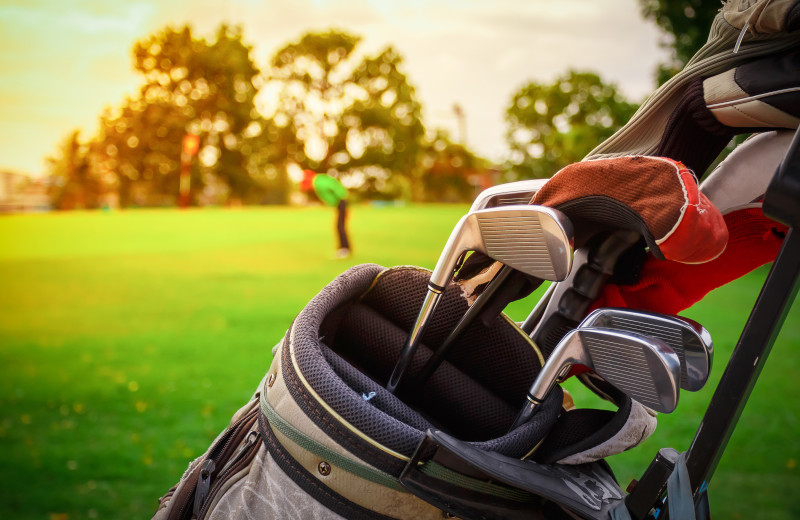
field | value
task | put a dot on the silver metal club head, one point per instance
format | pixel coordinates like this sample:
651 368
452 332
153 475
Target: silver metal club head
519 192
535 240
690 340
643 367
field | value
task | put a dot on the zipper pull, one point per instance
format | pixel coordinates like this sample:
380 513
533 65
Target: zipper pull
251 439
203 485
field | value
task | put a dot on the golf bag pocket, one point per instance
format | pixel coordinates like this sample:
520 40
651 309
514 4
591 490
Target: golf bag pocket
209 477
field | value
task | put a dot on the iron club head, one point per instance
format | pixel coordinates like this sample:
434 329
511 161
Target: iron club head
643 367
535 240
686 337
519 192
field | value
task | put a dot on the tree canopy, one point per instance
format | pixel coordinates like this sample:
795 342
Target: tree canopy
556 124
353 117
72 184
190 86
449 172
320 104
685 23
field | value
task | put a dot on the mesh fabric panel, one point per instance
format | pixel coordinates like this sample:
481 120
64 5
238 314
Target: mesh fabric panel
452 399
497 356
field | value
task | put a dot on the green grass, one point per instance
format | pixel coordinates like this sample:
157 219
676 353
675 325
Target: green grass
128 339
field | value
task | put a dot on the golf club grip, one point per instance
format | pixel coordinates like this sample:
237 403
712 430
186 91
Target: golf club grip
572 297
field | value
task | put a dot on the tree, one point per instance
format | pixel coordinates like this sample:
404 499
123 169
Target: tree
553 125
449 172
192 86
358 119
686 24
73 185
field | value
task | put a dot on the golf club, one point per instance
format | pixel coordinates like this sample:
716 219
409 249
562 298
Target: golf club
690 340
519 192
643 367
535 240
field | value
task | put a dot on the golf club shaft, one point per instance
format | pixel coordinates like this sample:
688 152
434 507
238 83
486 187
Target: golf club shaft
545 381
538 311
439 354
409 349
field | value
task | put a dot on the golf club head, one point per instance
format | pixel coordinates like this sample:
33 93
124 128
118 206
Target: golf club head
510 193
643 367
686 337
535 240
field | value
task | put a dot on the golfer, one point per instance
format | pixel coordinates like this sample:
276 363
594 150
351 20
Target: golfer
331 192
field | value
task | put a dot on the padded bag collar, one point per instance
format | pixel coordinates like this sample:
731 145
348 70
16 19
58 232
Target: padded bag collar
341 348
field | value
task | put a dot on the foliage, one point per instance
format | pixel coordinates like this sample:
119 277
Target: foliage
198 87
191 86
449 172
321 105
73 185
356 119
553 125
685 23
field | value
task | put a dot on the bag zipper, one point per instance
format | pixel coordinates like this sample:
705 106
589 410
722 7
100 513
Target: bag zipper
203 485
198 483
244 456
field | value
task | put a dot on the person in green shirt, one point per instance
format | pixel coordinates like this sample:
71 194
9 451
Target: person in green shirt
331 192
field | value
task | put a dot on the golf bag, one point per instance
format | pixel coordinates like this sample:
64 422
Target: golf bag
323 438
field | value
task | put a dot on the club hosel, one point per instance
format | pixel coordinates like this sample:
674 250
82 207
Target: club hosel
528 410
428 306
538 392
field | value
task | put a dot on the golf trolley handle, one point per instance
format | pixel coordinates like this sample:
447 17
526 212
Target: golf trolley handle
782 202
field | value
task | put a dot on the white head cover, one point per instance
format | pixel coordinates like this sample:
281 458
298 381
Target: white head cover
745 174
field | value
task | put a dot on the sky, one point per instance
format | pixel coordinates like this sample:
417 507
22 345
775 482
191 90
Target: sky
62 63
